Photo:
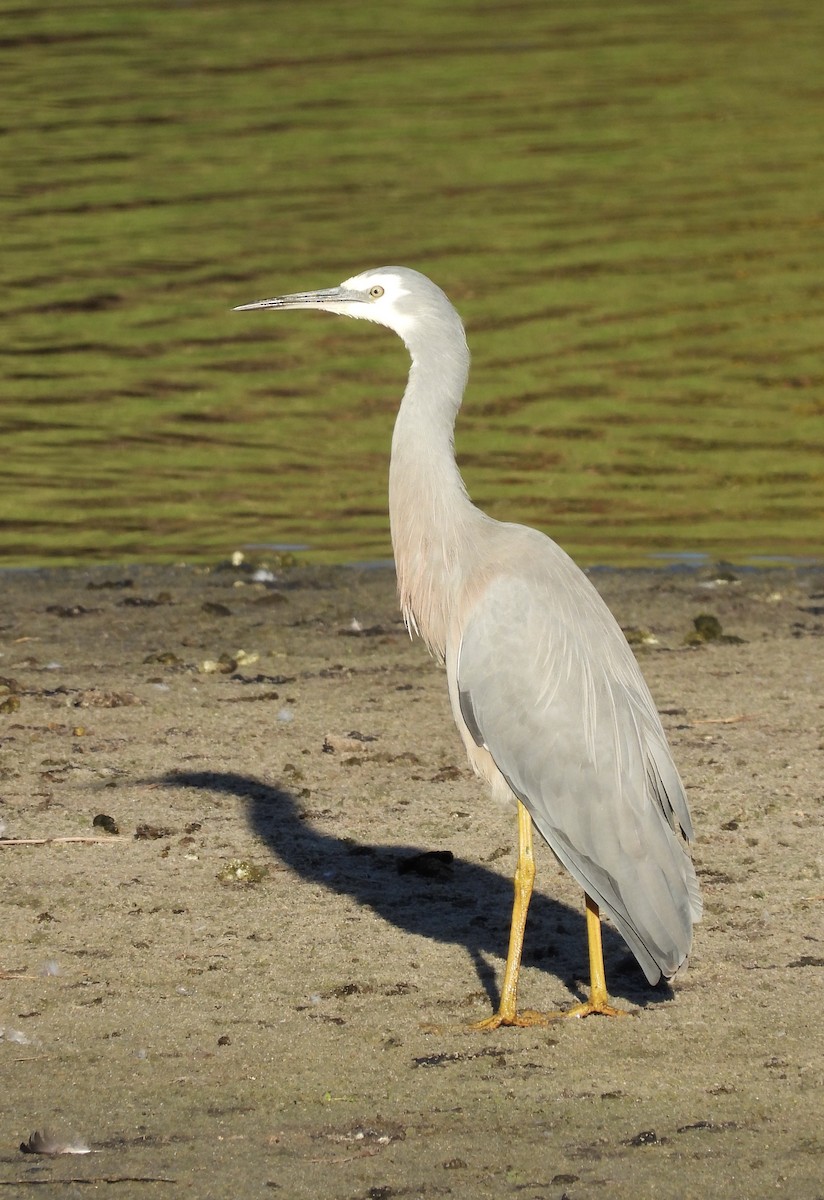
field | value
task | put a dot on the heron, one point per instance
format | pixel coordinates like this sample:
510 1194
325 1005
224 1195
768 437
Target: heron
548 698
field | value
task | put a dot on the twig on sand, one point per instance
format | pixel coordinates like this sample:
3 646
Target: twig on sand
91 1179
49 841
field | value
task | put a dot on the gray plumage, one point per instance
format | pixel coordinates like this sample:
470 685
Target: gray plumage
548 698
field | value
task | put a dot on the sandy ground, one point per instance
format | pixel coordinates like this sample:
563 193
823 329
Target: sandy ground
256 988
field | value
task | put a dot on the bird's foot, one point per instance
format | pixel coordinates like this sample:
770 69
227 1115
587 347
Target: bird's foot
523 1020
594 1008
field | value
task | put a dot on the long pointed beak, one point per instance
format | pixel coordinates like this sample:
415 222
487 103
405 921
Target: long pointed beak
325 298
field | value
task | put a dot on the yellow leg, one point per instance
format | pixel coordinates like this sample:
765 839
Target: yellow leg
598 998
507 1013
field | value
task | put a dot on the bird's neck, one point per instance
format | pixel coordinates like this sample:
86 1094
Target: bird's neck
430 512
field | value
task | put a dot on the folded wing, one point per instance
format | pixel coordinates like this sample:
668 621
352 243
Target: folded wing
547 683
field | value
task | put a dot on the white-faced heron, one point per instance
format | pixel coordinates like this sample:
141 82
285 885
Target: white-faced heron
546 693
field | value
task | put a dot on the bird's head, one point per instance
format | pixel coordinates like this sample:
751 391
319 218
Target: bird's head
399 298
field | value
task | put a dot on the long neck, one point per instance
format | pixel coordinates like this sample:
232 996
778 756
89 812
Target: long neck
429 510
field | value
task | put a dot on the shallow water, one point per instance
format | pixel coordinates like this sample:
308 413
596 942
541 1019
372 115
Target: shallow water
626 206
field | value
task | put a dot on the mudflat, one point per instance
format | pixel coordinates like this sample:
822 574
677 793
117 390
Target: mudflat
263 981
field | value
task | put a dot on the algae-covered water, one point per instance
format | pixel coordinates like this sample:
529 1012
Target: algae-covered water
626 202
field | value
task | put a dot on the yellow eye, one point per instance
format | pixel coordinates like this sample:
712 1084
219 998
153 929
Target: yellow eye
376 292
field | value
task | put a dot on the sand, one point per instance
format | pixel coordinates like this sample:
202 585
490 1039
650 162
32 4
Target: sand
257 986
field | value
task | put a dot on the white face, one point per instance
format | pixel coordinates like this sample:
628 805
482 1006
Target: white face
381 291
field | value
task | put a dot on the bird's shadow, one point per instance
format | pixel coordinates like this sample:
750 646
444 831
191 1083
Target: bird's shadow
431 894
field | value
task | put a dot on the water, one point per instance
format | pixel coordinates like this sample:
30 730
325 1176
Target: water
625 202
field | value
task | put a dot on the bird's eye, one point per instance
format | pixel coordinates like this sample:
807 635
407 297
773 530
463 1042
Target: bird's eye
376 292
